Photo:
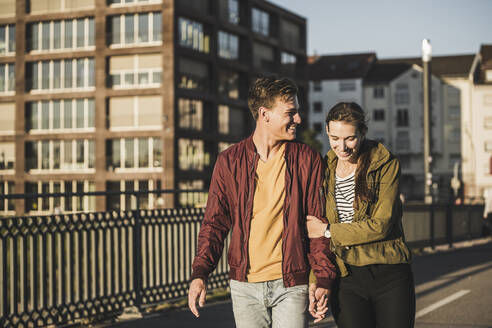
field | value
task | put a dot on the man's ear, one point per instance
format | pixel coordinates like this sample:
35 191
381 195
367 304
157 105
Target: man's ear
264 114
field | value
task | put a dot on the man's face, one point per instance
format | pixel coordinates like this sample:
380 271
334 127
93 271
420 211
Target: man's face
283 119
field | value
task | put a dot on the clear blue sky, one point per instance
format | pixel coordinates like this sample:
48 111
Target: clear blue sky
394 28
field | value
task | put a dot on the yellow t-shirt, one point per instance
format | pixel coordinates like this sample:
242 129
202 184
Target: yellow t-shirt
265 238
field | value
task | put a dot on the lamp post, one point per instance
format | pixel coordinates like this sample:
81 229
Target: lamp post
426 81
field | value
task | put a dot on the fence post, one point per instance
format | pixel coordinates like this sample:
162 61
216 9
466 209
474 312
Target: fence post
137 256
432 228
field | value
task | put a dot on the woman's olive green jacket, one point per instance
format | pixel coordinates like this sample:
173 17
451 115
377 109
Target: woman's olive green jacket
376 234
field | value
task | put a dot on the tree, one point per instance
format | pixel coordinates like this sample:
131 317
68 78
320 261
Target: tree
308 136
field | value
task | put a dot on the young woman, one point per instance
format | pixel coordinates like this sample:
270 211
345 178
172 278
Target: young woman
363 207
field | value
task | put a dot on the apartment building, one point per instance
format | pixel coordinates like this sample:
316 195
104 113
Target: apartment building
124 95
333 79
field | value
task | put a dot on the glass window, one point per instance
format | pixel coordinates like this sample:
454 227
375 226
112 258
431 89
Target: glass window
115 30
129 153
347 86
263 57
3 49
56 74
79 153
114 154
34 36
228 84
57 34
45 41
157 152
157 77
68 74
32 116
143 78
228 45
290 34
56 114
191 35
11 77
45 154
91 158
191 154
129 78
143 27
129 28
190 114
91 75
80 33
317 107
157 26
2 77
193 74
45 75
68 33
79 117
143 152
68 154
230 120
31 155
45 115
56 154
91 113
402 117
67 115
11 38
260 22
91 32
80 72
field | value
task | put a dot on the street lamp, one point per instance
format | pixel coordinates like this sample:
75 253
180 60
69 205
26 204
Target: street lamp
426 81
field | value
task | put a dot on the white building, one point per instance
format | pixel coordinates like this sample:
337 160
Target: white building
333 79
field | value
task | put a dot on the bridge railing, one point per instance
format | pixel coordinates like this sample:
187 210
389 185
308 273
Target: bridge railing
60 268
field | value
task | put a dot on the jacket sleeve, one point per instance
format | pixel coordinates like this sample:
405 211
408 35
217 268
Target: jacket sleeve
320 257
215 226
379 224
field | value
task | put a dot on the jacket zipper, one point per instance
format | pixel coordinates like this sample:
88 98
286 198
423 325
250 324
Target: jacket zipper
287 198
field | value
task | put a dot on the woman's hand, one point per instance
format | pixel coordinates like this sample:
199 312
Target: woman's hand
315 227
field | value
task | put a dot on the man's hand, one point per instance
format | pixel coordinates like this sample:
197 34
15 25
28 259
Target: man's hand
198 289
318 302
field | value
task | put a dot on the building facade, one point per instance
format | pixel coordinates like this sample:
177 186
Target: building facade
119 95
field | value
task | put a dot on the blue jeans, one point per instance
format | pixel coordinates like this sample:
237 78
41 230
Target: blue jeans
269 304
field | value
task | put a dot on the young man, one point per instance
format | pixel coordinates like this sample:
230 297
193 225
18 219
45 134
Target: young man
263 188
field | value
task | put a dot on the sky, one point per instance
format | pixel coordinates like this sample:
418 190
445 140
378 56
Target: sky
394 28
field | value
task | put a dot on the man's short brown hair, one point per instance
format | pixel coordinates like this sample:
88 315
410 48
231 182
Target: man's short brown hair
265 91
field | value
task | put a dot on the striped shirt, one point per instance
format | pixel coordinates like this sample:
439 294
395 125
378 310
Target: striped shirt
344 197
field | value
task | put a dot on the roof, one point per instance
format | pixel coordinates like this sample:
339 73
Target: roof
486 54
336 67
381 73
442 66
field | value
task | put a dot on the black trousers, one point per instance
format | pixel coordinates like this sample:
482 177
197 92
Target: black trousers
376 295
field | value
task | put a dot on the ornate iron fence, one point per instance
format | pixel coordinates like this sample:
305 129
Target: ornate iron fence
57 269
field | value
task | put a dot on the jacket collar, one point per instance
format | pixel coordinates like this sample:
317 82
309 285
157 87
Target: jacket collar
251 148
379 155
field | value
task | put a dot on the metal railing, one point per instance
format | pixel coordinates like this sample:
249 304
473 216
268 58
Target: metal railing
60 268
57 269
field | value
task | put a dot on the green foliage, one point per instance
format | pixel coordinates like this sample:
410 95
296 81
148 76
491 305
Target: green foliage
309 137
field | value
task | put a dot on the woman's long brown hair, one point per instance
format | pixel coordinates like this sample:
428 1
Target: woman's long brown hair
352 113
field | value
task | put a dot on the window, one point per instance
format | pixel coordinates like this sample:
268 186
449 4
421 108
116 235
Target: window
135 29
288 62
378 92
402 117
192 35
135 113
192 155
260 22
228 84
230 120
290 34
193 74
318 107
228 45
134 153
62 74
54 155
346 86
7 123
201 6
317 86
130 2
190 114
7 39
378 115
141 71
47 115
7 156
63 204
229 11
47 35
402 95
192 198
7 78
455 135
488 146
402 140
263 57
7 205
131 202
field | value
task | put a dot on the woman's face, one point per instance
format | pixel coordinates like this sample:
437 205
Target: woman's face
345 140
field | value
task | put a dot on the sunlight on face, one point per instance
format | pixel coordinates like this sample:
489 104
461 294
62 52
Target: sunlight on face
344 140
284 118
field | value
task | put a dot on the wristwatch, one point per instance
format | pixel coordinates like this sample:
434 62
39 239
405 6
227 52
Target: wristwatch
327 231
